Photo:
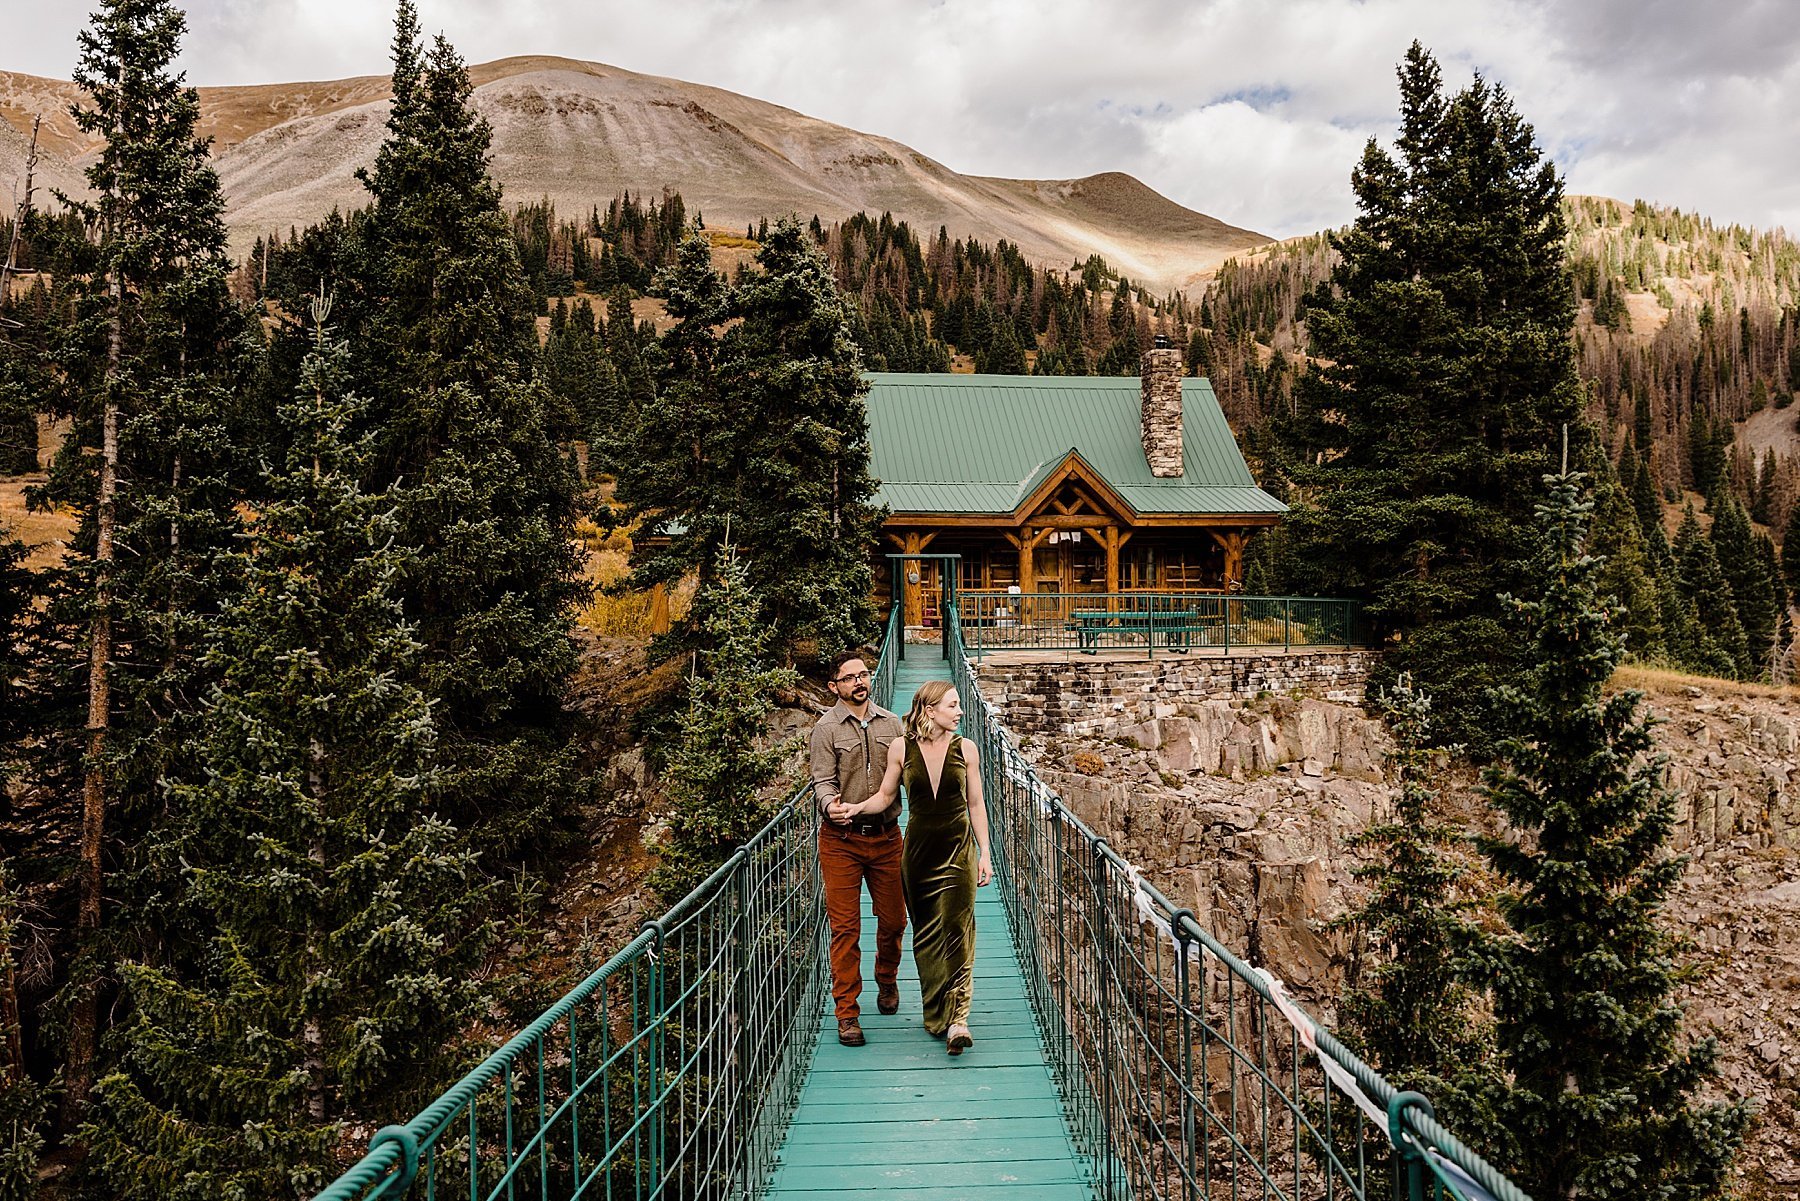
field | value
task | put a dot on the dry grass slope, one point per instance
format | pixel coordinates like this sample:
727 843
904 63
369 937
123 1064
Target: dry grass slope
578 132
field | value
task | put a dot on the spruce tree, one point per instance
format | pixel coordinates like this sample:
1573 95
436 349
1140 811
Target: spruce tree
1753 592
723 763
1790 551
1446 369
1719 645
444 338
152 464
1601 1098
1409 1010
803 498
675 462
331 916
1625 580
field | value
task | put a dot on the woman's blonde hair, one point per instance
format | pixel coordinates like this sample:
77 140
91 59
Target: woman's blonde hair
918 726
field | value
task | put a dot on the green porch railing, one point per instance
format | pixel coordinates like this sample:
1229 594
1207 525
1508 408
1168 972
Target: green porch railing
1186 1073
1171 622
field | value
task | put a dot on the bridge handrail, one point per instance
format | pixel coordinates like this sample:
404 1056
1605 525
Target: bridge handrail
1425 1149
396 1152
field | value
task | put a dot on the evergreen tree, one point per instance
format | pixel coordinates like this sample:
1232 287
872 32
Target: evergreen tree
1719 645
675 463
1753 592
1624 580
443 338
150 366
1790 551
1642 489
1409 1011
721 768
802 497
331 918
1447 367
1601 1099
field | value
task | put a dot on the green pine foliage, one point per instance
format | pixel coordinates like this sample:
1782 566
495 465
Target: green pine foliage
803 498
445 342
723 764
1600 1101
330 918
1448 368
150 368
1718 644
1625 579
1410 1011
760 431
1752 590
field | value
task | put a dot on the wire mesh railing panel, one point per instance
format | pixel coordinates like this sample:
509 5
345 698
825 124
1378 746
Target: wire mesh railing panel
1157 622
668 1073
1186 1074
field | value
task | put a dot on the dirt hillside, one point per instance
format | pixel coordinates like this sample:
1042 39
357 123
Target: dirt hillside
578 132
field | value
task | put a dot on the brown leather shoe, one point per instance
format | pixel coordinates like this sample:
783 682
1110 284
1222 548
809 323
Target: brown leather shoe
850 1032
887 998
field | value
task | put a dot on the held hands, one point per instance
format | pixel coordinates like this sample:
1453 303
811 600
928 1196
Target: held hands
984 870
841 811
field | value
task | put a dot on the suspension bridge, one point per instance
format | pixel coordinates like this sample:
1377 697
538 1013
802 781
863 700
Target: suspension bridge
1123 1054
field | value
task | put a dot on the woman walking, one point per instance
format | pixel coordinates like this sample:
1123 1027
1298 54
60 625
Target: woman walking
946 856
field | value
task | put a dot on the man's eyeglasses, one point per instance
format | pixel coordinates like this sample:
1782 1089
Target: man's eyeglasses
858 678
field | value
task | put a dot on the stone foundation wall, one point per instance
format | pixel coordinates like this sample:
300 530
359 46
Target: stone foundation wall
1105 698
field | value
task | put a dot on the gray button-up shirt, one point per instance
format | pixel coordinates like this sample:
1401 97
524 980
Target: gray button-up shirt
849 756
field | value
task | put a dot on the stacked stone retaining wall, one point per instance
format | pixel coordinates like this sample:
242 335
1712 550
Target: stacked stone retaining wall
1073 698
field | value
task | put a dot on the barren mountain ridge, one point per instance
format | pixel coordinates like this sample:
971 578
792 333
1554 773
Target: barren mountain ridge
578 132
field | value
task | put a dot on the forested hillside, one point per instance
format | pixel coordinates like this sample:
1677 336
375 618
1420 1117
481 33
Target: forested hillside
1687 340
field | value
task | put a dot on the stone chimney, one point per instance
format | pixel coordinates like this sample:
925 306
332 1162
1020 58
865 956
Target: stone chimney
1161 414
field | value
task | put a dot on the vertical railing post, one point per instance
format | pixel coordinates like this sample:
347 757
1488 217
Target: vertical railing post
1410 1169
1103 1038
654 1049
1287 624
1184 1000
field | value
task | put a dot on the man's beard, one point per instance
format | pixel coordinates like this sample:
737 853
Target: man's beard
859 694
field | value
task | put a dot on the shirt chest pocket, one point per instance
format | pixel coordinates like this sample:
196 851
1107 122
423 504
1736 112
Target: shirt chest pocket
853 748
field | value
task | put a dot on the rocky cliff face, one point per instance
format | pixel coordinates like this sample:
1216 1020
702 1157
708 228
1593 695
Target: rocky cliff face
1239 809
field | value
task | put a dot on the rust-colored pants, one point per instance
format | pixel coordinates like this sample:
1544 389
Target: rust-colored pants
846 860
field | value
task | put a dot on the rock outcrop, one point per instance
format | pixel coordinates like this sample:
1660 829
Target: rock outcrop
1240 810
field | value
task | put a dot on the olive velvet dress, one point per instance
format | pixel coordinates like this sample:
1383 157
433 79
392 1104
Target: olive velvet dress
937 872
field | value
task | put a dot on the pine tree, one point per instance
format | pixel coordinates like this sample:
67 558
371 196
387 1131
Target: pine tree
332 918
674 464
1447 369
1790 551
1601 1098
444 338
802 498
721 768
151 364
1410 1011
1719 645
1745 571
1625 580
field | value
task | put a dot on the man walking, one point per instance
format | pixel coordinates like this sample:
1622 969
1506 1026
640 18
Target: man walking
849 749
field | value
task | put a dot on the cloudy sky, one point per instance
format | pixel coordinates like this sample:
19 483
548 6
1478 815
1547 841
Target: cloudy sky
1251 110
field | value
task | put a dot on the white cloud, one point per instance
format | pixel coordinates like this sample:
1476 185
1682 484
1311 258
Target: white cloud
1252 110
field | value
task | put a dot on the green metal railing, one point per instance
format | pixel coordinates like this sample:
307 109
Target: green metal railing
670 1072
1185 1072
1173 622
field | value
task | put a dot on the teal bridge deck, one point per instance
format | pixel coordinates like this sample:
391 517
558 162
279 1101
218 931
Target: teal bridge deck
1122 1052
900 1116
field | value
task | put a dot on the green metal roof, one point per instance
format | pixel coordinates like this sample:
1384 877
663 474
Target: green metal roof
982 443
